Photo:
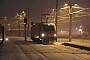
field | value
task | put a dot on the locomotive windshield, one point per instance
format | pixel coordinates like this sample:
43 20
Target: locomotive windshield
48 28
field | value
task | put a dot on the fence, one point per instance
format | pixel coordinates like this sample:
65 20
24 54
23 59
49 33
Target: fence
19 33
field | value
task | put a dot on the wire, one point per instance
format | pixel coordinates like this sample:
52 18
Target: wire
76 1
31 3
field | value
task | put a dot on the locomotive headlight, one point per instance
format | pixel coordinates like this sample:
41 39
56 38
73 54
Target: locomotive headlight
55 35
43 35
6 39
1 39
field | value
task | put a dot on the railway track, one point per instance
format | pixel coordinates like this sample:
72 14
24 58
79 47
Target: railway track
51 52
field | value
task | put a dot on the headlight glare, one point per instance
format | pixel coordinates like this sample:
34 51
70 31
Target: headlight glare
55 35
43 35
6 39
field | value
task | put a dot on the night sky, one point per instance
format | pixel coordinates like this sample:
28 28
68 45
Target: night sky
10 8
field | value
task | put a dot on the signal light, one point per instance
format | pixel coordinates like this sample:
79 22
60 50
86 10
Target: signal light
25 21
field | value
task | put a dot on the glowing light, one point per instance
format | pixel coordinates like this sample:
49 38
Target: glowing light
6 39
80 30
1 39
48 24
66 4
24 23
55 35
43 35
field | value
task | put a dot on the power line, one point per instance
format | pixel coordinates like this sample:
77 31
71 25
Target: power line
76 1
31 3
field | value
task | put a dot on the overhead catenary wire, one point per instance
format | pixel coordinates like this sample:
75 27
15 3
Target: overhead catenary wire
31 3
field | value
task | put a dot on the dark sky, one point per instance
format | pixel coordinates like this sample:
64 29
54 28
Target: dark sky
10 8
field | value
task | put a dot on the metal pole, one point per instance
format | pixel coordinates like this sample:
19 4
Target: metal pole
56 16
41 16
5 19
25 31
28 22
46 20
2 35
70 26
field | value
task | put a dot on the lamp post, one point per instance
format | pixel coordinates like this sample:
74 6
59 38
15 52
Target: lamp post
25 23
4 23
70 20
70 24
70 6
56 13
28 23
5 18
